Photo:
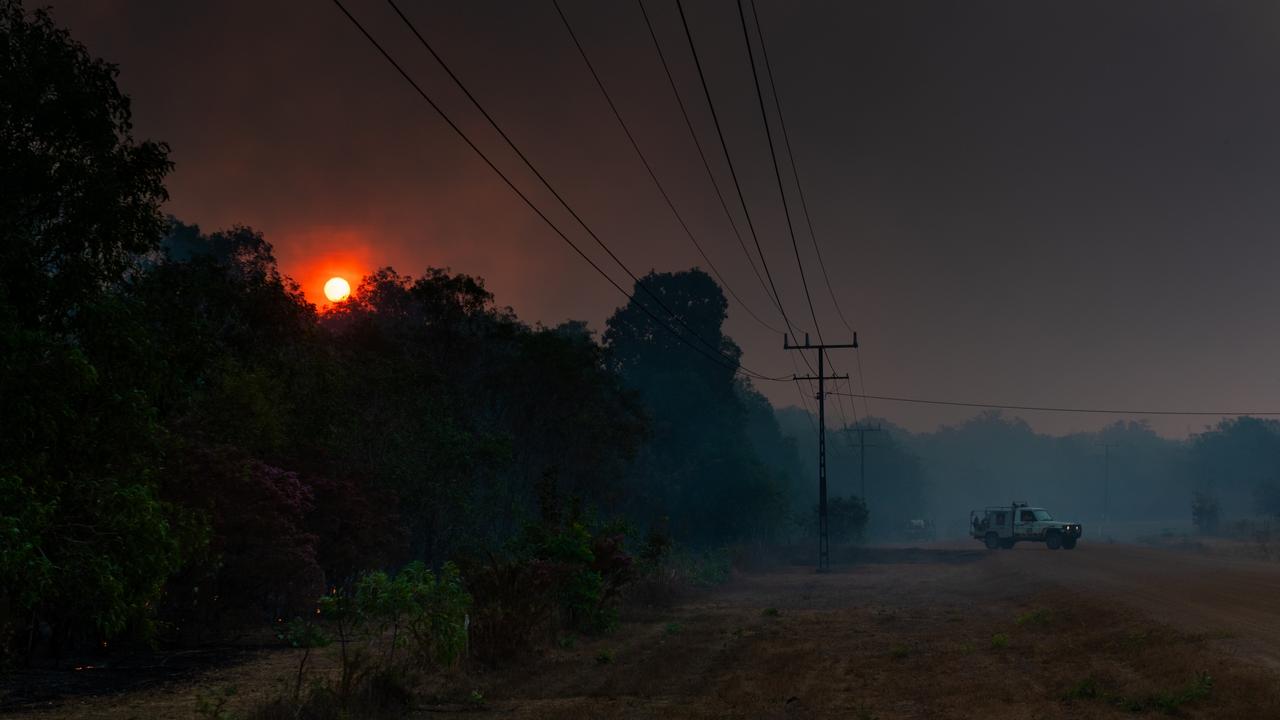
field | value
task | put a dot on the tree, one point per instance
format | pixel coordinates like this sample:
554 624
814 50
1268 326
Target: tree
85 542
1237 463
81 197
699 467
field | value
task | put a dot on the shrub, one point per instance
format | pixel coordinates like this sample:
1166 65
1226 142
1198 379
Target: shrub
564 572
1204 513
513 599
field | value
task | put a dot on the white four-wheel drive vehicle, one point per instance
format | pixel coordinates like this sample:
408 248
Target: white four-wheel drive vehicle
1000 526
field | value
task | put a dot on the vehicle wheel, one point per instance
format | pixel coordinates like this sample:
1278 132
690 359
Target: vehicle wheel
1053 540
1069 543
1007 544
993 541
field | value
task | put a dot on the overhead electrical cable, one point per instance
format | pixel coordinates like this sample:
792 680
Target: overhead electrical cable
777 173
702 155
786 138
560 198
804 204
1045 408
733 173
649 169
719 359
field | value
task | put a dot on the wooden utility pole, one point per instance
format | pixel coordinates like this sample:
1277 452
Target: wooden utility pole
862 431
824 545
1106 483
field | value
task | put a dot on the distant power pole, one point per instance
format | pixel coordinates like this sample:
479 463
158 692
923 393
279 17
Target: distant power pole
1106 482
862 431
824 545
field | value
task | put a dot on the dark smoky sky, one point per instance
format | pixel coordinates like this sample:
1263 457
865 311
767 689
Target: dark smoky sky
1025 202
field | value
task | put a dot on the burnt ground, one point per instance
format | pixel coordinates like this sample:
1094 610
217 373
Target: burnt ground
934 632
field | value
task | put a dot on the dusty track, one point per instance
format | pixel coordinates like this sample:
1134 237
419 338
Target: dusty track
911 633
1231 599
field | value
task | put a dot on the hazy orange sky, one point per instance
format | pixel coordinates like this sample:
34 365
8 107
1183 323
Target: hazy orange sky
1067 204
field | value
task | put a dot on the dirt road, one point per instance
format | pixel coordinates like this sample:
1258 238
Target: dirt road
1230 599
947 631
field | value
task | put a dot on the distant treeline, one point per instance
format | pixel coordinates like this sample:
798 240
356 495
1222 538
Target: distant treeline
1142 483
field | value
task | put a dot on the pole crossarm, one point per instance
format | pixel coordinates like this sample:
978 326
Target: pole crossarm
815 377
786 344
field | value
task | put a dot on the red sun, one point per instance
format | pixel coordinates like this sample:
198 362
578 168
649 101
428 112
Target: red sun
337 289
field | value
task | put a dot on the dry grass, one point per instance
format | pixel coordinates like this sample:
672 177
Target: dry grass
912 640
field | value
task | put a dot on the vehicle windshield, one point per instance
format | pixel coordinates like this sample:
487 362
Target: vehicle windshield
1042 515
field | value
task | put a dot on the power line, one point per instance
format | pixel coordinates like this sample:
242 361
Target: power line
422 93
1042 408
862 385
777 173
702 155
649 167
560 198
804 204
724 145
804 399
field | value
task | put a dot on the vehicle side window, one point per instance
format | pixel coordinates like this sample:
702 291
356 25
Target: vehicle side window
1028 516
999 518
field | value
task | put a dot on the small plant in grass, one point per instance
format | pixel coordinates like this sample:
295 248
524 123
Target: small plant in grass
674 628
862 712
604 657
1086 689
567 641
1198 689
1039 616
476 699
999 641
304 635
771 612
214 705
899 652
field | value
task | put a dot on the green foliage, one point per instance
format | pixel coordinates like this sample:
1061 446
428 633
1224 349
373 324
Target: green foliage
708 568
847 518
438 618
305 635
213 705
585 559
1198 689
81 198
714 465
1039 616
425 611
771 612
999 641
1086 689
